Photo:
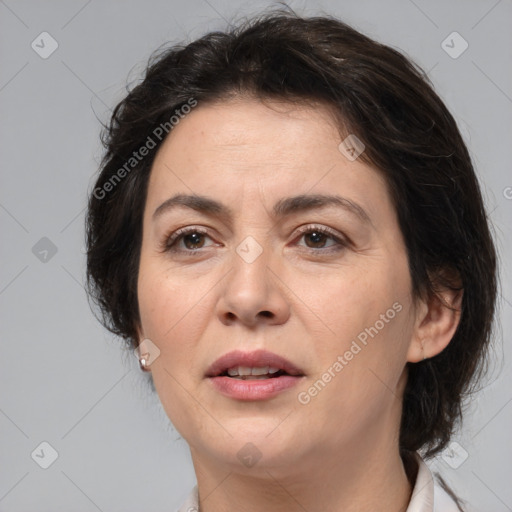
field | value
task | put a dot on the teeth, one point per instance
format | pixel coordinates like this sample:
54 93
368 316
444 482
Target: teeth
259 371
252 377
246 371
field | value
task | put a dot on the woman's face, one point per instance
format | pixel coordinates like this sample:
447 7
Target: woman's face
257 274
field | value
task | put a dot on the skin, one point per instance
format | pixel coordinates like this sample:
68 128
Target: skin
300 299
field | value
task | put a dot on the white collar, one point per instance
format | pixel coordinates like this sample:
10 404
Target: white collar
422 497
426 496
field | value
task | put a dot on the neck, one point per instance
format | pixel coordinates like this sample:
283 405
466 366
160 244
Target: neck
361 479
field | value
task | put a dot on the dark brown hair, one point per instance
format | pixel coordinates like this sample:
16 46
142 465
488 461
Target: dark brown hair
377 94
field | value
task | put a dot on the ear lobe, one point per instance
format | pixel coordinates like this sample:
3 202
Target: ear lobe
436 324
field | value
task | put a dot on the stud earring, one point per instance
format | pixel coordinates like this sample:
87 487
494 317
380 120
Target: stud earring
144 364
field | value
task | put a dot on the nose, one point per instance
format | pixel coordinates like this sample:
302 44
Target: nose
253 293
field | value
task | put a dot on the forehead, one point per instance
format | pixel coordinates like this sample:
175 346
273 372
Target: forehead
239 128
244 148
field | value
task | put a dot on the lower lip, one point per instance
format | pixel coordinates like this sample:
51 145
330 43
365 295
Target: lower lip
253 389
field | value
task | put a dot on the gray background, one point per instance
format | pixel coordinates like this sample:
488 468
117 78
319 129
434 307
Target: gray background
66 381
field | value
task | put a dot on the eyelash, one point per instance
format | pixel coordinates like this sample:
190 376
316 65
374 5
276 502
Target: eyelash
169 241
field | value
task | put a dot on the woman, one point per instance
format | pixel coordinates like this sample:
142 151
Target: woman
288 229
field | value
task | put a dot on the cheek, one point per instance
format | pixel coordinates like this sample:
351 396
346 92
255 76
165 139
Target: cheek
358 378
356 299
368 312
163 294
171 315
170 311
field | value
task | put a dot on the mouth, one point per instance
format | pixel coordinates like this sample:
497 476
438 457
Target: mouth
257 375
256 365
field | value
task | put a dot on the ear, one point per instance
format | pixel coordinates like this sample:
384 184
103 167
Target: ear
437 319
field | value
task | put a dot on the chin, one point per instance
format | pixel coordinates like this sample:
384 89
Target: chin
257 446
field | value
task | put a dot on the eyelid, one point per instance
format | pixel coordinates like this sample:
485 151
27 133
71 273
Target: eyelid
322 229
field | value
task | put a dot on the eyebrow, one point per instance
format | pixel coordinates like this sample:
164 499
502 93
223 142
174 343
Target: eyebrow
283 207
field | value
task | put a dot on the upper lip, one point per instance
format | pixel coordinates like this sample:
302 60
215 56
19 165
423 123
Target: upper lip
257 358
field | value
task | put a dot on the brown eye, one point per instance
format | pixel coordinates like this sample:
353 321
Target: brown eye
193 240
186 240
316 237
